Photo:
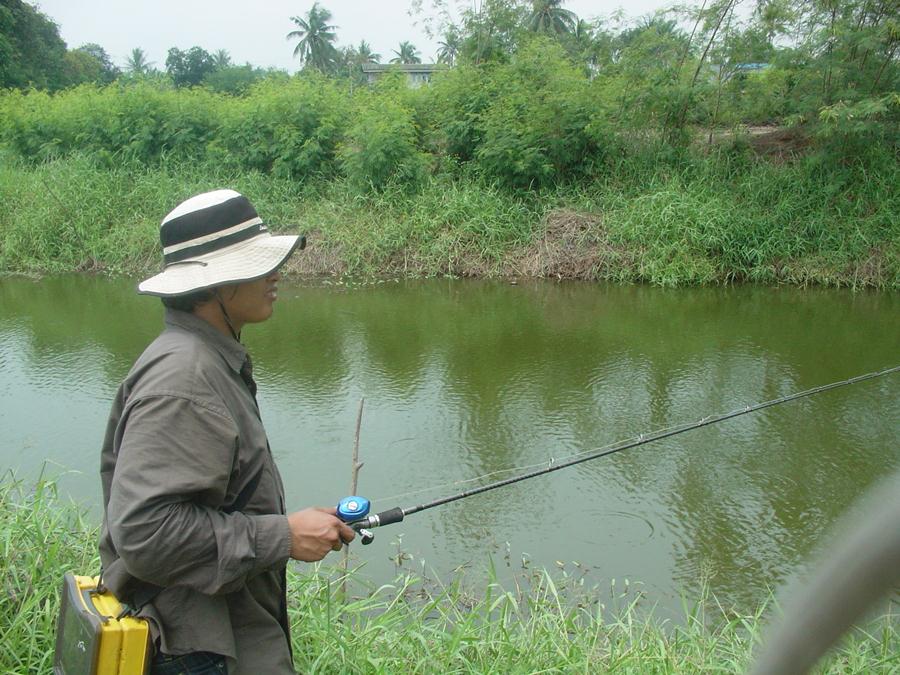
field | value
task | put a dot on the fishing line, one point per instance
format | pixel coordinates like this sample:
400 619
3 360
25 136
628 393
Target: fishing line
615 444
464 481
355 509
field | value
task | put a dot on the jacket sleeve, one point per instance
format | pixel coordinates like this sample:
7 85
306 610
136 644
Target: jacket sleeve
175 460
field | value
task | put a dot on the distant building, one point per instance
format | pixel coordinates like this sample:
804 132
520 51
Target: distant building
417 74
751 67
739 69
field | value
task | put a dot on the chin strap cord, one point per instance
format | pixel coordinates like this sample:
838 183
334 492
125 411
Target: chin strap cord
235 334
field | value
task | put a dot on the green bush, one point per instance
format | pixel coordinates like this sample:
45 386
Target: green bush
458 100
235 80
144 121
380 146
534 131
288 128
758 98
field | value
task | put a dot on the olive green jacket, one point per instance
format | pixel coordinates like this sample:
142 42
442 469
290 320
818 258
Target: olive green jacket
184 440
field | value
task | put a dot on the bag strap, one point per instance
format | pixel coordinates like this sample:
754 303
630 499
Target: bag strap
246 494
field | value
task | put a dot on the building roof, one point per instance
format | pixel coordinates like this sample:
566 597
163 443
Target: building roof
403 67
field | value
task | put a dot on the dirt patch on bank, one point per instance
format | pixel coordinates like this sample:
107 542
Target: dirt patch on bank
777 144
572 245
871 271
318 259
781 144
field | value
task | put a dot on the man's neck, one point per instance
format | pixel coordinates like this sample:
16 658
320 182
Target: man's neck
212 313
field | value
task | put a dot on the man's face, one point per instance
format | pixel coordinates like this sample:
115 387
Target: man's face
251 301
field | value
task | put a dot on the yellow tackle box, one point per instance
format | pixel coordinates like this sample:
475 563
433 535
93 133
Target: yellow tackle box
93 637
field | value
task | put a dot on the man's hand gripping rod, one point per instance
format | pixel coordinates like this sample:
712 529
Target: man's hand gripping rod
355 512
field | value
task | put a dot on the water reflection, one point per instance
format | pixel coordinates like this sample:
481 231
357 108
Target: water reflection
463 379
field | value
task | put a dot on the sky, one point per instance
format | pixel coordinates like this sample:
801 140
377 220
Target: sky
255 32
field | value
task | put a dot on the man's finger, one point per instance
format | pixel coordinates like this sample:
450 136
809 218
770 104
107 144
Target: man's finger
347 533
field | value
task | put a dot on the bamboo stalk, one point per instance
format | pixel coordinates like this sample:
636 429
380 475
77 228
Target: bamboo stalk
355 466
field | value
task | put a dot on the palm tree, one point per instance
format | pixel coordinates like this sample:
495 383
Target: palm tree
583 31
350 61
316 38
548 16
588 48
449 46
221 59
137 63
407 54
364 54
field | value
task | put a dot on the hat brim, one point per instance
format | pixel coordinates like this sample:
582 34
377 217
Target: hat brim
244 261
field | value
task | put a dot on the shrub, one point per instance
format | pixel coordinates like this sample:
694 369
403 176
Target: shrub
456 105
535 129
290 129
144 121
235 80
380 146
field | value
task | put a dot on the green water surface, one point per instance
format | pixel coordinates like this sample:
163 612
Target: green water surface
467 379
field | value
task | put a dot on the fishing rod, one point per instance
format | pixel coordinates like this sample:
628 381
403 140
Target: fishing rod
355 510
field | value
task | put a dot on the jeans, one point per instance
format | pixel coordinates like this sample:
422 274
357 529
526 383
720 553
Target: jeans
195 663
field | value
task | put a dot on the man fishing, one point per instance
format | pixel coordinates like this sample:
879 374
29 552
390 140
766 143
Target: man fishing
195 534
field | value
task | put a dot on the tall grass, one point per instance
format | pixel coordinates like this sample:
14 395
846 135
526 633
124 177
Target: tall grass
41 540
410 625
692 219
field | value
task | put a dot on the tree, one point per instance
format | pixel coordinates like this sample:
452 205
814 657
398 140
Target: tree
856 42
449 47
235 80
534 130
188 69
107 69
587 45
80 67
492 31
844 72
364 54
349 61
548 16
221 59
31 51
137 63
662 33
407 54
316 37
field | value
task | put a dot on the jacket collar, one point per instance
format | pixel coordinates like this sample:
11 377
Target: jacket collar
231 350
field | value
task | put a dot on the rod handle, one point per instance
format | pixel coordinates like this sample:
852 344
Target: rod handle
390 516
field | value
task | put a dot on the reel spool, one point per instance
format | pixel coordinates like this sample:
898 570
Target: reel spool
353 509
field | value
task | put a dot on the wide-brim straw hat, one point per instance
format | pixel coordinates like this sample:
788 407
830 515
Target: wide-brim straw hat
213 239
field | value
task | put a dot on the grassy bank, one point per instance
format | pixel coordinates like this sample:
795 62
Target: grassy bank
408 626
527 166
695 219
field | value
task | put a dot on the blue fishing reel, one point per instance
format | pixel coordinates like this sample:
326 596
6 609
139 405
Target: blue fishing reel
355 512
354 509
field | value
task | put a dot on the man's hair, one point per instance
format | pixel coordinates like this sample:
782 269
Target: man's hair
188 301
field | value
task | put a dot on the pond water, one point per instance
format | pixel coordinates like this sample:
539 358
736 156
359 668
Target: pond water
466 379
